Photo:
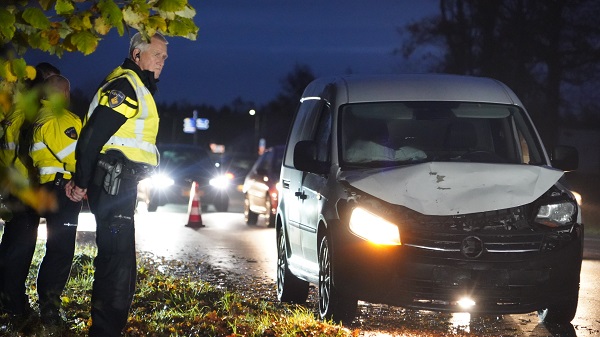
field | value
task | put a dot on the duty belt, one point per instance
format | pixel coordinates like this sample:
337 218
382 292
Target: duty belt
129 170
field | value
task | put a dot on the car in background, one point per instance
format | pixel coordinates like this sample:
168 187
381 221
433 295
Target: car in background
180 165
261 192
237 164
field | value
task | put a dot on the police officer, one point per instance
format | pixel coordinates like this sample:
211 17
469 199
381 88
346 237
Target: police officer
55 133
116 150
20 231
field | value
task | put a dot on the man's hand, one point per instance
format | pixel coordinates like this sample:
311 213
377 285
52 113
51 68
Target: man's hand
75 193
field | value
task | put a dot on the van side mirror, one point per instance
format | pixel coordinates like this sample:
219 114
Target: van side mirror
305 158
565 158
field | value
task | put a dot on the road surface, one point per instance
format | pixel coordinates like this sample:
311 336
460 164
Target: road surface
229 244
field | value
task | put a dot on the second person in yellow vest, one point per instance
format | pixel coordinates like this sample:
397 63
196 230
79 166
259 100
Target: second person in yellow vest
54 138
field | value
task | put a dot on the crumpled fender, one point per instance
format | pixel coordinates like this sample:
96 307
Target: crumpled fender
443 188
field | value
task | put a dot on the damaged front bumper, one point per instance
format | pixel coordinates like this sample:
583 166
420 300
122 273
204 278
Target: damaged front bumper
503 271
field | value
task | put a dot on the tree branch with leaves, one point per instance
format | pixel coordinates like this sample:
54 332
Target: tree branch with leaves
59 26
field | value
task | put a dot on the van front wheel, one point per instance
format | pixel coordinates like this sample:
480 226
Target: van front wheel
333 303
561 312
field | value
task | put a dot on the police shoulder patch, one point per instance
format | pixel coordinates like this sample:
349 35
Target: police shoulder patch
71 133
115 98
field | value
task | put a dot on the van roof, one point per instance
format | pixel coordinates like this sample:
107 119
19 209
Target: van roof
411 87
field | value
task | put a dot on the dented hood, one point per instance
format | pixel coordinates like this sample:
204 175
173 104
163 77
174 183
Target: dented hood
440 188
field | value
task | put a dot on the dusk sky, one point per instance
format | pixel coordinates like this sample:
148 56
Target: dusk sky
244 48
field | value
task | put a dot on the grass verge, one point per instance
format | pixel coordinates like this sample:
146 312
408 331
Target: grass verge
171 300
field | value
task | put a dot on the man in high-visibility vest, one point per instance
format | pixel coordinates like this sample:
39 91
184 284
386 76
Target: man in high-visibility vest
116 150
54 137
20 231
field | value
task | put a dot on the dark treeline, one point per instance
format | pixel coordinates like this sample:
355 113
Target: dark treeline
548 52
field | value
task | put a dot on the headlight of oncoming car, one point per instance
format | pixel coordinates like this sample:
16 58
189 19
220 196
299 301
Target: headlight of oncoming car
161 181
374 228
556 214
221 182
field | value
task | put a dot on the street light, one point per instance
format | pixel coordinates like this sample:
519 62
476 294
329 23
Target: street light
260 142
253 113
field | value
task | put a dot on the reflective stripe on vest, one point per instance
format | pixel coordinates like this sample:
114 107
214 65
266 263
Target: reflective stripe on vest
61 154
9 146
47 170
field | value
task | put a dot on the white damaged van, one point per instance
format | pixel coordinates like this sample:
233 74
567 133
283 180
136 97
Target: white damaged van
428 192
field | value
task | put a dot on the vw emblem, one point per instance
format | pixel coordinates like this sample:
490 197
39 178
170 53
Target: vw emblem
471 247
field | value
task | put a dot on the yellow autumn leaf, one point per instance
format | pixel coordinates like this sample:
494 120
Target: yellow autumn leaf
64 7
9 76
132 17
188 12
158 23
39 199
53 37
86 21
30 72
5 102
101 26
85 42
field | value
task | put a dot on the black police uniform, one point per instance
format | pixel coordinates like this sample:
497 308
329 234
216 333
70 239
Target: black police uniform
21 231
52 150
115 275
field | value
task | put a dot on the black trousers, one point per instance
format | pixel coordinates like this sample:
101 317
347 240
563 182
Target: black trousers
55 268
115 263
16 252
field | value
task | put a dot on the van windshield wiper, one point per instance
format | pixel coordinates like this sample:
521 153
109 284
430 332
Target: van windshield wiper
385 163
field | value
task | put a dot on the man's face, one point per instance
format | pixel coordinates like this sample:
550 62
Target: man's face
153 59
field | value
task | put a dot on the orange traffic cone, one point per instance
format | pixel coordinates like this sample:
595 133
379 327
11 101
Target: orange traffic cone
194 209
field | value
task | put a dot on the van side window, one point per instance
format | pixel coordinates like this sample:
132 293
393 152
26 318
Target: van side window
304 126
323 134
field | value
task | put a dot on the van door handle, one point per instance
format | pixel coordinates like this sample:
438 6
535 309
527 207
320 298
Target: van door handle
300 195
285 183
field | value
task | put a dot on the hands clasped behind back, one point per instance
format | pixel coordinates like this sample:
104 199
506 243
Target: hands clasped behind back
75 193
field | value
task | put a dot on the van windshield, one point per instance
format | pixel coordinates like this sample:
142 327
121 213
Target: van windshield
385 134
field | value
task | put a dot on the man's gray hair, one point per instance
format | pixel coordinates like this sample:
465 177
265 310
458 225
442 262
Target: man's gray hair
139 42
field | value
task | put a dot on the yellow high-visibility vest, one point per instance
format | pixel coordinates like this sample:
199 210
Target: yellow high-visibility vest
136 139
55 135
9 143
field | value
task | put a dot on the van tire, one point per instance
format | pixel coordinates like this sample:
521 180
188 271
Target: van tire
561 312
290 288
333 303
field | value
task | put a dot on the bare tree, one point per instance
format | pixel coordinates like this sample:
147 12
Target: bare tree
544 50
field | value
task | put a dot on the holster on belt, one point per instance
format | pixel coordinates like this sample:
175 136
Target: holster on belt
112 178
118 168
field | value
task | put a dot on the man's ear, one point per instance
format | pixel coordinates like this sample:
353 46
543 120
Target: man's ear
135 55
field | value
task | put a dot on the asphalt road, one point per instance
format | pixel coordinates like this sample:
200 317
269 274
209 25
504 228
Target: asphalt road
229 244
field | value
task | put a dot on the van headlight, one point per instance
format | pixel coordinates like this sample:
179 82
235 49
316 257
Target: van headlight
556 214
374 228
